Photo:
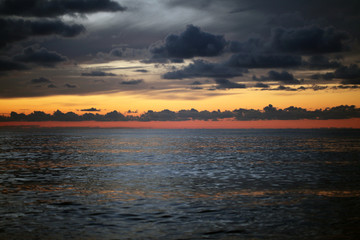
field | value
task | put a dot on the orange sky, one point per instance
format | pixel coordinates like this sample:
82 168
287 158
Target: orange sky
232 99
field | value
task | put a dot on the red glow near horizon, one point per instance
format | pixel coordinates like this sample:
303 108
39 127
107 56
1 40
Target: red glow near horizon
197 124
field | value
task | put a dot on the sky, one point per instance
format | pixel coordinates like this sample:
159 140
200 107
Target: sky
133 56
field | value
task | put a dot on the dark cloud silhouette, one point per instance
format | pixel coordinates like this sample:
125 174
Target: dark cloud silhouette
52 86
284 77
41 57
346 87
227 84
189 4
190 43
196 88
321 62
283 88
45 8
196 83
261 85
117 52
201 68
9 65
251 45
317 88
97 74
132 82
310 39
141 70
90 110
258 60
70 85
347 74
19 29
267 113
40 80
288 19
325 76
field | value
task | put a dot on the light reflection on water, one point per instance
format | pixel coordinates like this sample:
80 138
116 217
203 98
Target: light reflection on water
179 184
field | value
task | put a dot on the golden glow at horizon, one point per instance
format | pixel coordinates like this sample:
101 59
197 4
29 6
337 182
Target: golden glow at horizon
237 98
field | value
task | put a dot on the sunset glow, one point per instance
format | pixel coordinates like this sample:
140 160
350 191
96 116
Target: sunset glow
123 57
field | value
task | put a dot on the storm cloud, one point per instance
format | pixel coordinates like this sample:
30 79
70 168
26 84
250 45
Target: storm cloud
97 74
227 84
9 65
41 57
347 74
321 62
259 60
201 68
45 8
310 39
284 77
40 80
132 82
190 43
209 44
13 30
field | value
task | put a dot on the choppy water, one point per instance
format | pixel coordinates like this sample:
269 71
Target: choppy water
179 184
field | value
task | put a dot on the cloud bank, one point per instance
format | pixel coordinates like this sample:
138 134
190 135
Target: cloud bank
267 113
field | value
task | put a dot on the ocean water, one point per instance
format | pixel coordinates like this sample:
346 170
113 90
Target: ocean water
179 184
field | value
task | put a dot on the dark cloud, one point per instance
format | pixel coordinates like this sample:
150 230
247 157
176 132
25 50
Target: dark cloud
251 45
97 74
346 87
190 4
321 62
19 29
9 65
190 43
132 82
54 8
117 52
141 70
325 76
311 40
258 60
52 86
317 88
347 74
341 14
196 88
284 77
90 110
163 60
284 88
301 40
288 19
196 83
227 84
201 68
41 57
261 85
40 80
267 113
70 85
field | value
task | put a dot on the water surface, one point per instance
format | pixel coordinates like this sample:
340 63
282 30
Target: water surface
179 184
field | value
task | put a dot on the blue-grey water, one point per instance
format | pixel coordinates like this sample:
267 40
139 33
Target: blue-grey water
179 184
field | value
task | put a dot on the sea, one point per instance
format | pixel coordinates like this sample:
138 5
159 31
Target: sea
93 183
